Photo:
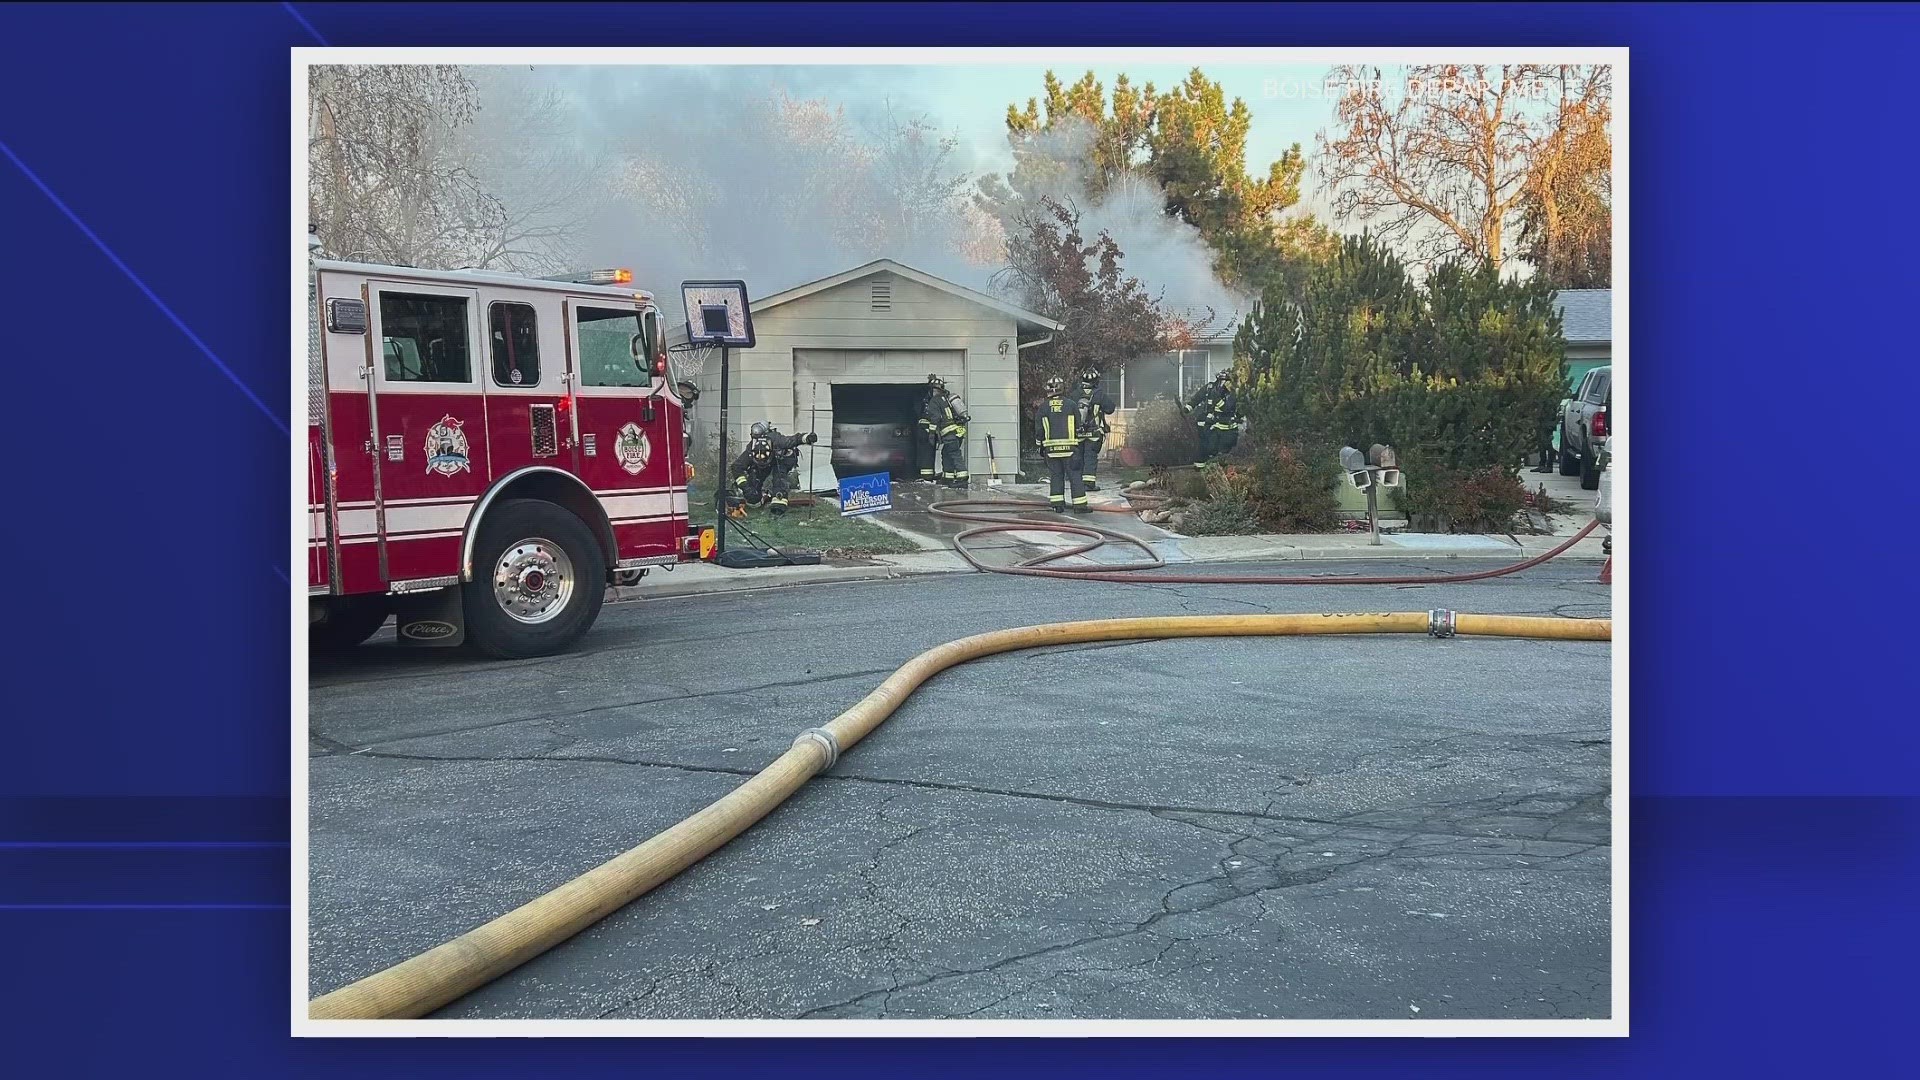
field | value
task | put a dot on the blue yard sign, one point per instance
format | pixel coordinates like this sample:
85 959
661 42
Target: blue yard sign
866 494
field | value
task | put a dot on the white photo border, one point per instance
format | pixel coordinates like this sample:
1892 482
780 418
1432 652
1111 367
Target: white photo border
1613 1026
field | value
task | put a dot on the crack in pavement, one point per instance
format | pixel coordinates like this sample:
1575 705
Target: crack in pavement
1243 872
681 694
629 1002
1156 809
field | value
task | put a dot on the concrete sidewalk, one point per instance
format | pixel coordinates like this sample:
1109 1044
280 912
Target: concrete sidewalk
1392 546
702 578
697 578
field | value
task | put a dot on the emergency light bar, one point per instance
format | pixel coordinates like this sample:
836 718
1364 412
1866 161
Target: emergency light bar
621 276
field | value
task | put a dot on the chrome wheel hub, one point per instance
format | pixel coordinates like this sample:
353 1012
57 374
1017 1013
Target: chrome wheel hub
533 580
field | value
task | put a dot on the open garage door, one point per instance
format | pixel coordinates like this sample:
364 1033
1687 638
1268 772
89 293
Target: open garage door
863 403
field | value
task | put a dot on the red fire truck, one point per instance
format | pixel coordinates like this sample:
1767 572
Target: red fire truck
485 453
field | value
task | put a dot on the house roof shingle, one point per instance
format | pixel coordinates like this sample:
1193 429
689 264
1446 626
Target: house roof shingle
1586 315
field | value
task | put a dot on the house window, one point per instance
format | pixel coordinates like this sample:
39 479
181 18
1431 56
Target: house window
1193 371
1149 378
1166 376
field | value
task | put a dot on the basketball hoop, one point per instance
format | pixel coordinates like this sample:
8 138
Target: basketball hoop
688 359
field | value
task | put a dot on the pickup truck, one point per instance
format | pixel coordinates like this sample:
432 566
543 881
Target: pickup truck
1583 427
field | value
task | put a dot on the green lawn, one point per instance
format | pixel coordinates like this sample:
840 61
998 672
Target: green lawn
821 528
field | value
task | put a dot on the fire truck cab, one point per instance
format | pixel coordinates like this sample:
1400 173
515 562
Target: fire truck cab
486 453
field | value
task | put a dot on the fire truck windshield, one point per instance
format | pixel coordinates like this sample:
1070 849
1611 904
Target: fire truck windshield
606 348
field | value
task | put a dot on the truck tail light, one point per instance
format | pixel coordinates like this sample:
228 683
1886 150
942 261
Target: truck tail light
1600 424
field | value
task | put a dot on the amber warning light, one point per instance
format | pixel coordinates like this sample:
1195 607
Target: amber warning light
620 276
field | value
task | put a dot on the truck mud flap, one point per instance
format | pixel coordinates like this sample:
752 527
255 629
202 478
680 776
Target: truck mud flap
430 620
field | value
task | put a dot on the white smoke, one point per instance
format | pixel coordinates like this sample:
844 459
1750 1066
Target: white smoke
699 172
1167 254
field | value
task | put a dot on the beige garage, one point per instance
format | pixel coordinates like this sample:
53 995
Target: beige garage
870 336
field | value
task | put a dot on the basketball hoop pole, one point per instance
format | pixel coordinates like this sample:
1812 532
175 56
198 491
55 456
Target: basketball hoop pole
725 482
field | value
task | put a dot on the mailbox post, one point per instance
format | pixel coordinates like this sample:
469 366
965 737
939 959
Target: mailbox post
1378 467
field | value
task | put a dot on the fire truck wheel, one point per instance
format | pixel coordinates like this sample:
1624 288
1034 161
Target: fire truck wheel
350 620
538 581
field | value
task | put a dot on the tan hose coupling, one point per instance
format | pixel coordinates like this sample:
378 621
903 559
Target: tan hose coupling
826 741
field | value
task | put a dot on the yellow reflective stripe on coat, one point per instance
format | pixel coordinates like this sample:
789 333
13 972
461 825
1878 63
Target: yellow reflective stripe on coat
1047 438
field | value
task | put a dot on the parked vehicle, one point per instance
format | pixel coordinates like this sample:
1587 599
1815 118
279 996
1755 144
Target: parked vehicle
873 448
486 453
1603 503
1583 427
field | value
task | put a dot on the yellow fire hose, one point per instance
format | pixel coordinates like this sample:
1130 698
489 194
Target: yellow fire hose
418 986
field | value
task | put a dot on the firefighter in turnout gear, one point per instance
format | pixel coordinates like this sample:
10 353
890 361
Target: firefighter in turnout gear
762 474
786 460
1095 407
1056 426
943 423
1216 411
750 472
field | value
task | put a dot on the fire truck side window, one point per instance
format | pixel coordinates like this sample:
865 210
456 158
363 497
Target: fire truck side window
516 348
425 338
606 348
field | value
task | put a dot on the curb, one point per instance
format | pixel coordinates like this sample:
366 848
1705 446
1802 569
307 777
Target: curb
758 580
1589 549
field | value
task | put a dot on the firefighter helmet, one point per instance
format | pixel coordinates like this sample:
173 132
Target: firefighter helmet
1055 384
759 430
934 380
1222 375
1090 377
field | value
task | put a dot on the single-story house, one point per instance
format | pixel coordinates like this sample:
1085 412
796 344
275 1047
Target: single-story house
1586 318
1170 375
856 349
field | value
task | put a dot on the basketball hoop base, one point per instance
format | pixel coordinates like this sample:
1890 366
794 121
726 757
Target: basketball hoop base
752 559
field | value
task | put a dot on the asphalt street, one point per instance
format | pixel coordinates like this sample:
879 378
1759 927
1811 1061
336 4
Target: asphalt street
1352 827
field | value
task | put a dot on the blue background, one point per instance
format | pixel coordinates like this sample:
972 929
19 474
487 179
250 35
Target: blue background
144 248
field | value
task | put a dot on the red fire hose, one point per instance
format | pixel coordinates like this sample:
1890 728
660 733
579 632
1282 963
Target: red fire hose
991 511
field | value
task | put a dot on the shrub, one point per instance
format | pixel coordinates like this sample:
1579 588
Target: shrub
1290 489
1163 434
1228 509
1259 487
1182 483
1441 498
1459 373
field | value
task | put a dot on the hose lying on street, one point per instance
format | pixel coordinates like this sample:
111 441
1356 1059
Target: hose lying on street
988 511
418 986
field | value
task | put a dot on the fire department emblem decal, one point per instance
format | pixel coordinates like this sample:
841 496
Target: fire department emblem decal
447 447
633 449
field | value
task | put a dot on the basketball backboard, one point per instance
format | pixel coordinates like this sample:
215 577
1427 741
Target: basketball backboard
717 312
